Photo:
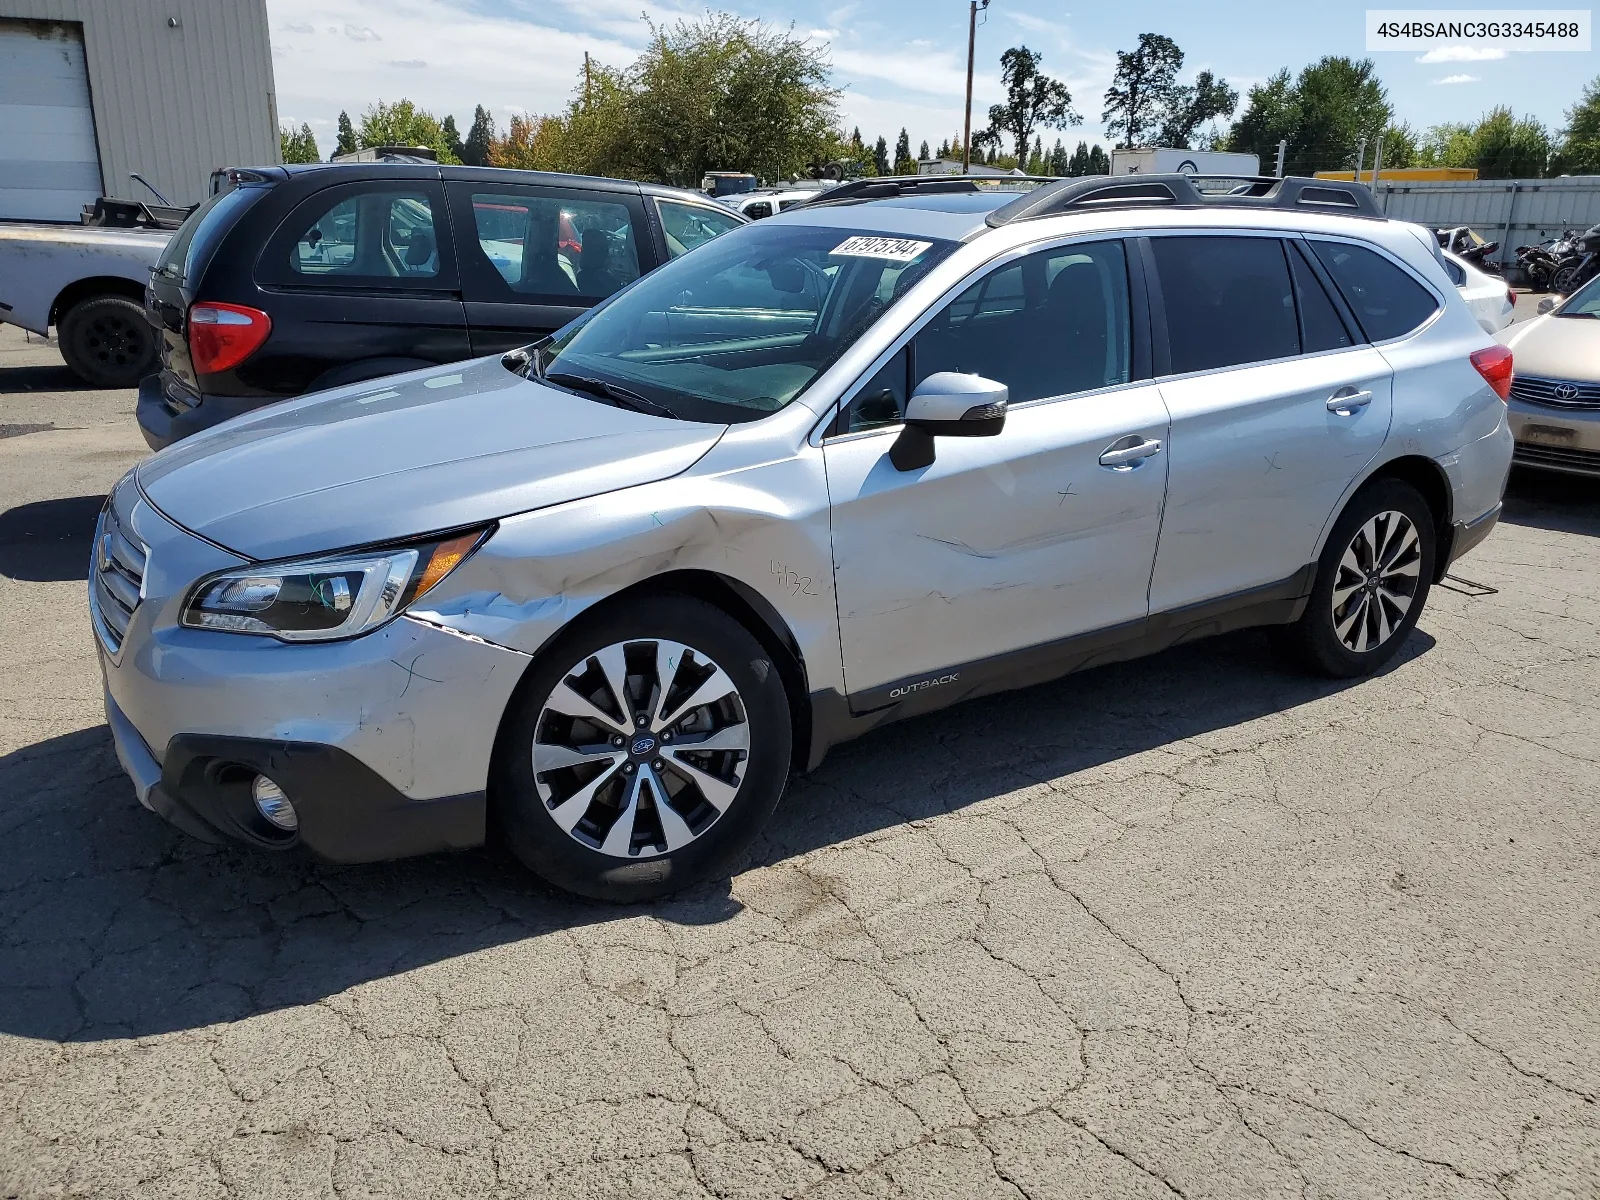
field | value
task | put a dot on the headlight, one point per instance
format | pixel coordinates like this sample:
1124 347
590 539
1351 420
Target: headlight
320 599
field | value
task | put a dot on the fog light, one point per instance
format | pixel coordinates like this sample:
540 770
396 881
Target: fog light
272 804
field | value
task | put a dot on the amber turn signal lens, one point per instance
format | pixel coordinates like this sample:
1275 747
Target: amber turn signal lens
445 558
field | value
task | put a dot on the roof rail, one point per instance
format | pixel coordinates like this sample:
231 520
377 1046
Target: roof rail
884 187
1181 190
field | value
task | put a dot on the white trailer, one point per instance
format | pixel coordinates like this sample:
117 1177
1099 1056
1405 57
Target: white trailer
1190 162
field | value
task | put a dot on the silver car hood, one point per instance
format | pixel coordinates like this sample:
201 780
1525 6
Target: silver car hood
392 458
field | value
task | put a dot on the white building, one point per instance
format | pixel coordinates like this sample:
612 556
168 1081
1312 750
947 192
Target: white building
91 90
952 166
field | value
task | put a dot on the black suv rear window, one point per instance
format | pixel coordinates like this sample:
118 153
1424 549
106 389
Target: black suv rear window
1387 301
216 213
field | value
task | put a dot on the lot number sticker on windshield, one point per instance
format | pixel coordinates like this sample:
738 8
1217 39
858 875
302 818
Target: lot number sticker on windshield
897 249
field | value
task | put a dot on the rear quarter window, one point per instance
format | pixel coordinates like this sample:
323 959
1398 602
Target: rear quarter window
197 237
1388 302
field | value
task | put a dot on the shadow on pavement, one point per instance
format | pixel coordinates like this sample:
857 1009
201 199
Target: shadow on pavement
1547 500
48 541
54 377
112 924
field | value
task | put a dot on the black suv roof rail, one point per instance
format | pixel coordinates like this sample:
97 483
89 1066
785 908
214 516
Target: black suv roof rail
1180 190
883 187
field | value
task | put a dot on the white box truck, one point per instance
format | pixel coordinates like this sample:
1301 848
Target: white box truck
1190 162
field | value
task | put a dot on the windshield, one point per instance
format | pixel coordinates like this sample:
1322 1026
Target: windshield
736 329
1585 302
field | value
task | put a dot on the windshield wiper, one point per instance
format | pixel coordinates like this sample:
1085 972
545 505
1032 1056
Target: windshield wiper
620 396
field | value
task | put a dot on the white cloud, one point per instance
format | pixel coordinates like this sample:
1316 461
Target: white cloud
1446 54
305 28
1458 79
408 64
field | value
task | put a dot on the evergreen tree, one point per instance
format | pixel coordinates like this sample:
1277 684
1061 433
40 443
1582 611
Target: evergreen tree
347 135
903 162
298 146
922 151
1059 159
452 137
944 150
475 150
880 155
1099 162
1079 163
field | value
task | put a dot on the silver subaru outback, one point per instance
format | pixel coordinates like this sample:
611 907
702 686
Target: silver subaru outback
906 445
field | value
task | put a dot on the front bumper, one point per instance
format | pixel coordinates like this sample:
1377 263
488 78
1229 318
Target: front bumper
163 421
381 742
1555 439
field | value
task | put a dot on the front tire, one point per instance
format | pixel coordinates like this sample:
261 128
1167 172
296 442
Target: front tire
1372 582
107 342
643 751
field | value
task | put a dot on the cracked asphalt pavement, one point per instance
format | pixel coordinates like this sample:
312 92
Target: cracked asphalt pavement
1194 926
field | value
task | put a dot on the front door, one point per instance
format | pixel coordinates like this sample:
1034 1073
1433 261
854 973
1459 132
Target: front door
1277 405
1007 543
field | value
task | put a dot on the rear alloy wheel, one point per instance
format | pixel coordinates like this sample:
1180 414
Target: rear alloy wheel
644 752
108 342
1372 582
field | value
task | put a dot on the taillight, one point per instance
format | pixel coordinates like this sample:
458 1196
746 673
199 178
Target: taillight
222 336
1494 364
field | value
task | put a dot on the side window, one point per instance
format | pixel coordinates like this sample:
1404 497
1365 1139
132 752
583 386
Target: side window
1457 275
761 208
690 225
386 235
1228 301
1387 301
883 400
556 246
1051 324
1321 327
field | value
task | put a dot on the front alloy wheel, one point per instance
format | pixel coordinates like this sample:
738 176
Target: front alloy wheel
639 748
643 750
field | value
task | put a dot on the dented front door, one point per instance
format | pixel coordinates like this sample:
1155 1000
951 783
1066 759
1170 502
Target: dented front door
1002 543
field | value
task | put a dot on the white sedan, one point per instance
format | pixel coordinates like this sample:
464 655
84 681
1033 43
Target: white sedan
1488 296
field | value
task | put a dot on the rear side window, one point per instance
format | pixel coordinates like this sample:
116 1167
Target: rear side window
1321 327
388 236
1228 301
1387 301
181 258
556 246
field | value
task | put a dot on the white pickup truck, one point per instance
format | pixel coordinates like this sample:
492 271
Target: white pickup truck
87 281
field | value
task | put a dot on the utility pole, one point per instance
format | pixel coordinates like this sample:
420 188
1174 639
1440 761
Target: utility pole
1283 149
1377 163
1361 157
972 40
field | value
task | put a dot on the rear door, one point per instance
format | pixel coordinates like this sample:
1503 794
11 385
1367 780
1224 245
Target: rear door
1277 404
360 280
535 257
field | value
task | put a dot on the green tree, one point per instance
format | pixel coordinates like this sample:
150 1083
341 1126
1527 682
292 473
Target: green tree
403 124
1499 146
944 150
452 138
1579 150
1142 90
1078 164
904 164
347 136
880 155
1033 99
1324 114
298 145
475 150
1059 158
922 152
1400 147
1191 106
1099 162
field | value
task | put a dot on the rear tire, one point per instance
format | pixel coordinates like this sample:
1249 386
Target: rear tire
1372 582
108 342
605 794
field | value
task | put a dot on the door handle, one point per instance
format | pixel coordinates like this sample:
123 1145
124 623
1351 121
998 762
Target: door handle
1346 403
1125 458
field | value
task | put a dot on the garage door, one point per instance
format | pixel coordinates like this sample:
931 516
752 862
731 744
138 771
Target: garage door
49 162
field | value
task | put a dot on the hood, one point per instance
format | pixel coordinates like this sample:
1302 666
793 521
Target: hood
1555 347
411 454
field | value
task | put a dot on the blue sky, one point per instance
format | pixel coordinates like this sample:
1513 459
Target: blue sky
899 62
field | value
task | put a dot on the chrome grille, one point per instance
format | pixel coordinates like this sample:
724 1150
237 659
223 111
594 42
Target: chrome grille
116 572
1555 393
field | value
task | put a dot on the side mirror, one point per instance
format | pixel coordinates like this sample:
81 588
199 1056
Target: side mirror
1546 305
948 404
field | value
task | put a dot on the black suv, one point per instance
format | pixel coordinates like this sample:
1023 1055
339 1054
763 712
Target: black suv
292 279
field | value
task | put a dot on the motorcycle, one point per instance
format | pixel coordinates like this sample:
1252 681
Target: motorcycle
1539 264
1464 243
1580 264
